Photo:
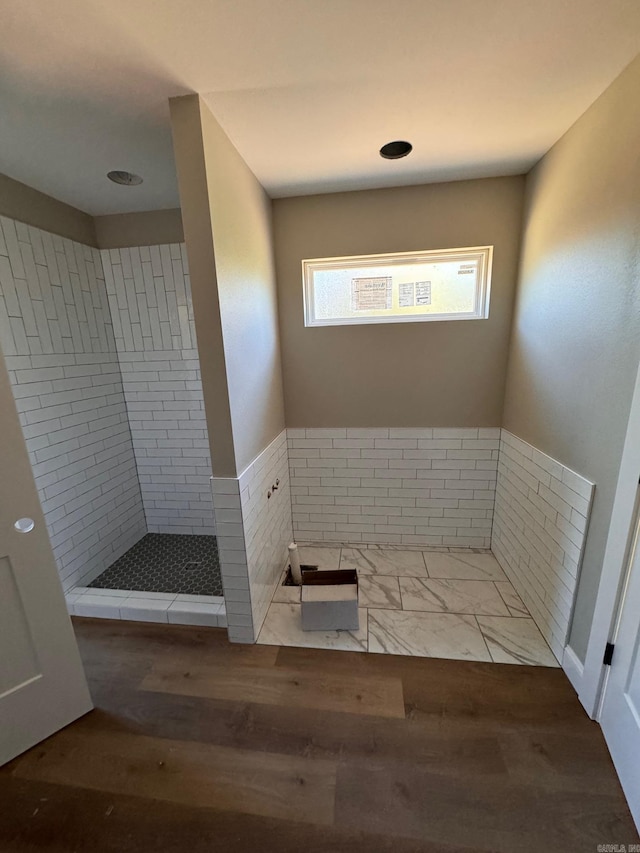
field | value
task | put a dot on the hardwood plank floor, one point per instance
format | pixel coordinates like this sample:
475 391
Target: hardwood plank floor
378 697
197 744
188 772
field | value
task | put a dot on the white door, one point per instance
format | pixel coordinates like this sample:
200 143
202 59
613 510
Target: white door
620 716
42 683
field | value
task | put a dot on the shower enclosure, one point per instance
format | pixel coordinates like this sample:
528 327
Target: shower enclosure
103 362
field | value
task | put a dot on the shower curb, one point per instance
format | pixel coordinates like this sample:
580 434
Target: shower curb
138 606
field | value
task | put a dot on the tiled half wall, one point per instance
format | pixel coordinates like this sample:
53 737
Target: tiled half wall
150 299
540 522
57 338
253 531
394 486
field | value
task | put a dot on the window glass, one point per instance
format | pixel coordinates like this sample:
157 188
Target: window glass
444 285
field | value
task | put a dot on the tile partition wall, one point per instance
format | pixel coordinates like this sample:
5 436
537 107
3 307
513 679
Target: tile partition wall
253 534
150 298
394 486
540 523
267 523
56 335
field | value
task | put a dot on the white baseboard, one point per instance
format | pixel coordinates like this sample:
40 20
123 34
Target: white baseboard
573 668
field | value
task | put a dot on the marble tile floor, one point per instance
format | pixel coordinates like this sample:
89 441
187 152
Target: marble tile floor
448 604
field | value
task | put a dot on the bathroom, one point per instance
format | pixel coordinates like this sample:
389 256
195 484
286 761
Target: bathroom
185 423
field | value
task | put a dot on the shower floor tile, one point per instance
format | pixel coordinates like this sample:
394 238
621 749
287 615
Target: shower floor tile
166 562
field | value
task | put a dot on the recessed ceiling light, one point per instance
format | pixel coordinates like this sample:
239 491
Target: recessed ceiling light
396 150
127 179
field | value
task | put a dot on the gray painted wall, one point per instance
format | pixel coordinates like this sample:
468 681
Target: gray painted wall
576 332
404 374
227 220
24 204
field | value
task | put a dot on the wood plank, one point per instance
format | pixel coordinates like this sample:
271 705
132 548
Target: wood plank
195 774
106 643
369 695
486 694
566 761
42 817
488 759
311 734
411 801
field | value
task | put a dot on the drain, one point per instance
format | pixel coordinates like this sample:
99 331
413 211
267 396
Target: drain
288 581
190 566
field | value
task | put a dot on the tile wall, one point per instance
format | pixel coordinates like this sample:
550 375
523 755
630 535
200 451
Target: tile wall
150 298
394 486
57 338
267 523
253 534
232 552
540 524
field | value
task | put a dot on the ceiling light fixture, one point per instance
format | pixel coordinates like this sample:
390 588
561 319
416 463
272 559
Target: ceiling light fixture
126 179
396 150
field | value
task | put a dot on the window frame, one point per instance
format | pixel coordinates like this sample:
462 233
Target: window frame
484 255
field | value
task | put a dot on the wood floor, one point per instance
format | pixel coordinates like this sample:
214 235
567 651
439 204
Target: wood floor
199 745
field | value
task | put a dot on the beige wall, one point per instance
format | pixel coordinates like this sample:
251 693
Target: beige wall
149 228
18 201
116 231
196 215
227 221
576 340
410 374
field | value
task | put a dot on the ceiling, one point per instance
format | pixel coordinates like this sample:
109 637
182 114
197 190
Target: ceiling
308 90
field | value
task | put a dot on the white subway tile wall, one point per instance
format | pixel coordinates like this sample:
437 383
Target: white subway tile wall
57 338
232 552
253 534
267 524
150 298
539 529
422 486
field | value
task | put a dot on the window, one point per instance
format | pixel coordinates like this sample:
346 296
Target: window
452 284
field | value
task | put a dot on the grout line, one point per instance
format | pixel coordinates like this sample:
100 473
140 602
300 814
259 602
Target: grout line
451 613
509 617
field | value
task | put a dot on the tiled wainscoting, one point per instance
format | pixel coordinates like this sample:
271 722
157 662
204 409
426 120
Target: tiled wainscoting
253 534
394 486
430 604
540 523
56 335
150 298
412 489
